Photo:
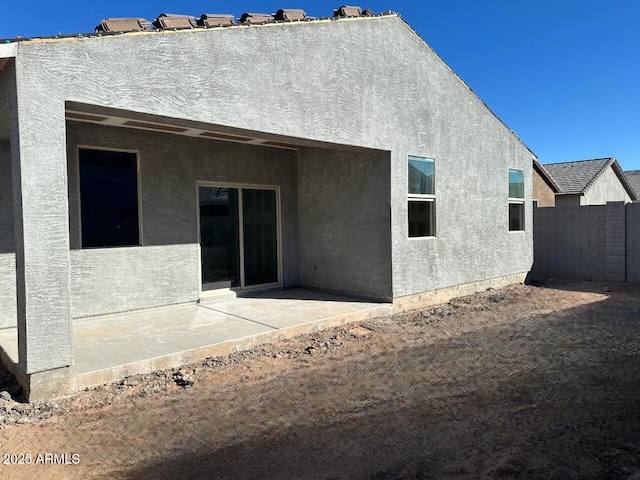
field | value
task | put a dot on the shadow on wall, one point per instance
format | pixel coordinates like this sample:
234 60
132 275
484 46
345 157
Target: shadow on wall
7 240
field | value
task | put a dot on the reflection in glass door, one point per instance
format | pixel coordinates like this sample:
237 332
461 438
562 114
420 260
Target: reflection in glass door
219 237
259 223
238 237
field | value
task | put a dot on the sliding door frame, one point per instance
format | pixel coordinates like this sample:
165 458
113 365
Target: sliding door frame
240 187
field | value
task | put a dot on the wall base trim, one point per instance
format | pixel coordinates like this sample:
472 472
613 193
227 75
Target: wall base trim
421 300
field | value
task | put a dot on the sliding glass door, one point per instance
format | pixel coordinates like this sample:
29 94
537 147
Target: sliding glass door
238 237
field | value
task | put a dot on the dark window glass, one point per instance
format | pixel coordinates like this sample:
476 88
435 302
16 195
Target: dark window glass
516 216
260 227
108 198
421 219
219 237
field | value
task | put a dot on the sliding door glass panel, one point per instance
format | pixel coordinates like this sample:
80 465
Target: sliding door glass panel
260 231
219 237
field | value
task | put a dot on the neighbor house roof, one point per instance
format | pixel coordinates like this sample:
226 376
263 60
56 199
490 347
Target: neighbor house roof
548 179
634 179
575 178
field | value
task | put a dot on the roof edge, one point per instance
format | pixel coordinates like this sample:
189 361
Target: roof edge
8 50
609 162
623 179
546 176
465 84
154 30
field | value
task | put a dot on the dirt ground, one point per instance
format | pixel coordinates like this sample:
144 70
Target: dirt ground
535 382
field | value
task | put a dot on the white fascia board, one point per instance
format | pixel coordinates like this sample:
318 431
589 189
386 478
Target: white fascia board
8 50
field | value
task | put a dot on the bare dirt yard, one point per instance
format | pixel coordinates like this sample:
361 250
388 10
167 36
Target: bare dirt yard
528 382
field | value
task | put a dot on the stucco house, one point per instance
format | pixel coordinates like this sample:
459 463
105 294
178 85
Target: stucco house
590 182
545 187
633 176
142 167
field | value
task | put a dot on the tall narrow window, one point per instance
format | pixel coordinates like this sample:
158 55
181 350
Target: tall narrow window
108 198
421 197
516 200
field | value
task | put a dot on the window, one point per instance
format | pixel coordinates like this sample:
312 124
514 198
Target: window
516 200
422 200
108 198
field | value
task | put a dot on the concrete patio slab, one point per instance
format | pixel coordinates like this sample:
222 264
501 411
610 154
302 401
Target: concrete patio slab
110 347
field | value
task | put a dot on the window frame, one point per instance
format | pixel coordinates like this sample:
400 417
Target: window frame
422 197
516 201
138 192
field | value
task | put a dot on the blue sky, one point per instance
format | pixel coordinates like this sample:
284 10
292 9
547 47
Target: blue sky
563 74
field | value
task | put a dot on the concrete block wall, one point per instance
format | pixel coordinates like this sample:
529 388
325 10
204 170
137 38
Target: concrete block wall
595 242
633 242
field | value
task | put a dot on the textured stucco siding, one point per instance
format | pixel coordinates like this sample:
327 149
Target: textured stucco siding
344 222
7 237
607 188
364 82
473 152
568 200
7 75
39 183
7 242
542 192
7 290
117 279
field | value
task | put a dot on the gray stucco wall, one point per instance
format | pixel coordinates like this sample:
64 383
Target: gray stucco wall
7 237
344 222
118 279
7 290
607 188
7 242
568 200
364 82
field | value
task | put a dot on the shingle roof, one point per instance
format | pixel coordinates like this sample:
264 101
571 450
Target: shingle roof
634 180
576 177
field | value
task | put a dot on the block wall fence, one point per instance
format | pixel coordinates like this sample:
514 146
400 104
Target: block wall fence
594 242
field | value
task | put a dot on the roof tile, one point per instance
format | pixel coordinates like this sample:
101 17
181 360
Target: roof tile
576 177
633 176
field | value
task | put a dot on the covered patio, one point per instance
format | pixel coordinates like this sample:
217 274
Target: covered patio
110 347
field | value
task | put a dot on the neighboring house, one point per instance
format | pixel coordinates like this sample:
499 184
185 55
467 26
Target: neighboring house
633 176
160 166
590 182
544 186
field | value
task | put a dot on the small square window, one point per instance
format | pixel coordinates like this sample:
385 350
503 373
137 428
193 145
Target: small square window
422 218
